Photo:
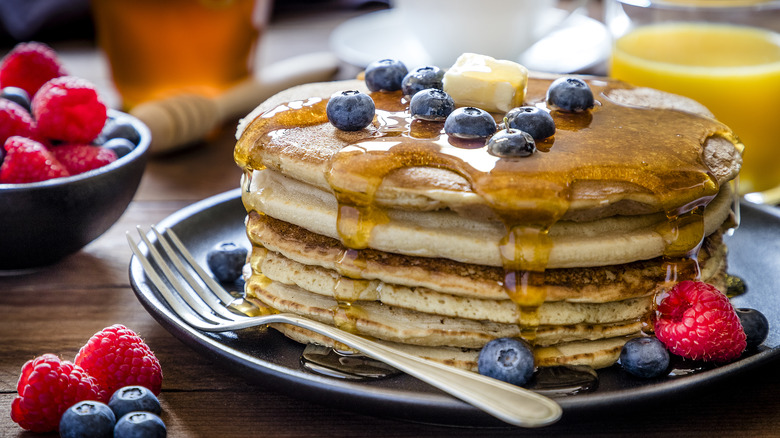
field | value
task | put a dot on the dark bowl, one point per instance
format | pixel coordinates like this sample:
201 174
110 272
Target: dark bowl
43 222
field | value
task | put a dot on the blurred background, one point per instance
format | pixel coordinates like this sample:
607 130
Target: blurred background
54 21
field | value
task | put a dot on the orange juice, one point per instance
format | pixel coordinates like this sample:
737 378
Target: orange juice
734 71
160 47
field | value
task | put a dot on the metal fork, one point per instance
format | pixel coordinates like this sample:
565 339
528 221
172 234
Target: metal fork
203 304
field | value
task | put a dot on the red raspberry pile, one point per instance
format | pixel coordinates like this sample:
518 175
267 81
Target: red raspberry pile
112 358
29 66
697 321
49 386
66 115
118 357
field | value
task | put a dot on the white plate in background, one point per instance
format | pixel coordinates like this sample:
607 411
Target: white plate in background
579 45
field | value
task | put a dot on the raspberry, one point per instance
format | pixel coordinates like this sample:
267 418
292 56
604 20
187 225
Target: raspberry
14 120
29 161
118 357
79 158
696 321
29 66
69 109
47 387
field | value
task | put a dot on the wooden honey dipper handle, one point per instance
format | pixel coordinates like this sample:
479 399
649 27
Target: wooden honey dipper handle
180 120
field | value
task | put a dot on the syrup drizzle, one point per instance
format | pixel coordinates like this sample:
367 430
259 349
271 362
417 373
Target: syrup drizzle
657 151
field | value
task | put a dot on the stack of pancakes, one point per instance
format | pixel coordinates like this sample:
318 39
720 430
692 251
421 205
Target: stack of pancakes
431 244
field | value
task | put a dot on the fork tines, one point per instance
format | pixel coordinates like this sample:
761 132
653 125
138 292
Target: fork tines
187 288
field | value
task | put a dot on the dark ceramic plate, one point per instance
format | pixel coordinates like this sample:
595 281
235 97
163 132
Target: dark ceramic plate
268 358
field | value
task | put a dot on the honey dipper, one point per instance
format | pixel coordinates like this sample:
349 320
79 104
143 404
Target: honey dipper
181 120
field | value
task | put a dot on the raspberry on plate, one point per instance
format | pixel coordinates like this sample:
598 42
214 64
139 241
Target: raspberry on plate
118 357
14 120
69 109
697 321
29 66
46 388
79 158
29 161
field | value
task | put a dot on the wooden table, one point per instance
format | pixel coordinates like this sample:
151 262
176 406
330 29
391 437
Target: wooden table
56 309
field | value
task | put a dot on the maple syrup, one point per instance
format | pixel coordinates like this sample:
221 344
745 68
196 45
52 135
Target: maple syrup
735 286
564 380
343 364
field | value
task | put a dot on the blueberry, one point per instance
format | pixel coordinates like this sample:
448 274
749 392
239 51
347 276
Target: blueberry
569 94
121 146
385 75
226 261
506 359
123 130
755 324
535 121
134 398
140 425
511 143
17 95
645 357
350 110
421 78
87 419
431 104
470 122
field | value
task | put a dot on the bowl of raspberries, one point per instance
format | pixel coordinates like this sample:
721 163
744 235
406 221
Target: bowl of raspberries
69 166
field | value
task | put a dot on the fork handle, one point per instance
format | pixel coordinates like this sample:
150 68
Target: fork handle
509 403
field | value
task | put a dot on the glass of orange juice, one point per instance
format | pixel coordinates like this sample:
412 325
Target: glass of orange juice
157 48
722 53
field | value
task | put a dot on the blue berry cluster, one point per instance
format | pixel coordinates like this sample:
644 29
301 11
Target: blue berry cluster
385 75
120 136
424 87
756 326
17 95
422 78
132 412
470 122
570 94
431 104
511 143
533 120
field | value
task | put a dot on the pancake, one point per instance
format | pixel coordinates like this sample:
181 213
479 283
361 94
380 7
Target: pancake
597 354
390 323
498 309
291 254
443 233
430 244
307 146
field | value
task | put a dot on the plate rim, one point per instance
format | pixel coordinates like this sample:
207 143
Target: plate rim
439 406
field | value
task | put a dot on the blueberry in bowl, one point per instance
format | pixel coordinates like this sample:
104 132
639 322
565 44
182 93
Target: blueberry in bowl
44 221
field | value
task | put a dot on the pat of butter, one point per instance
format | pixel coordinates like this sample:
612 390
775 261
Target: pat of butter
491 84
